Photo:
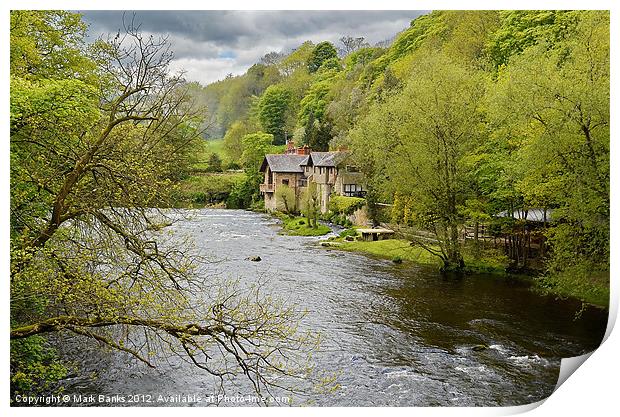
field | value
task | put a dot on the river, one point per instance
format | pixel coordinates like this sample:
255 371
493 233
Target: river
397 335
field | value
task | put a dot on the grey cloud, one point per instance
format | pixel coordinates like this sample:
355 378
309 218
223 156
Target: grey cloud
207 39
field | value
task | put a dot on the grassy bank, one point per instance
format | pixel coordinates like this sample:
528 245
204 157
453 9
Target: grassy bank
298 226
400 250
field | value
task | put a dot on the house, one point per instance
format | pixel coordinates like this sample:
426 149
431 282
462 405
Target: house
332 172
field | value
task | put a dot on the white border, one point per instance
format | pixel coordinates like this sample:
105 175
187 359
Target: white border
592 390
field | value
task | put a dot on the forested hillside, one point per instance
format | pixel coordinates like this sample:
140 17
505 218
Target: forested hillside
465 115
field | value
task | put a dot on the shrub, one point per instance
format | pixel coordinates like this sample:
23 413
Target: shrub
348 232
345 205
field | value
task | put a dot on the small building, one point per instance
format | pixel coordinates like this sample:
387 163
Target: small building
332 172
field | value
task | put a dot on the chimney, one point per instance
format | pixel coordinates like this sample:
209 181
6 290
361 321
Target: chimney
290 147
305 150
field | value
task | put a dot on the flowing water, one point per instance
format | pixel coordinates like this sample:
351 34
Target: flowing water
394 334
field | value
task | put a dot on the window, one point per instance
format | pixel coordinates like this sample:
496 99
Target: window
352 190
284 182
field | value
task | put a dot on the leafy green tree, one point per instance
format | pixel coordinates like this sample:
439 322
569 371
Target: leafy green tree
233 140
321 53
555 101
520 29
255 147
49 44
311 204
214 162
285 199
422 135
273 108
246 192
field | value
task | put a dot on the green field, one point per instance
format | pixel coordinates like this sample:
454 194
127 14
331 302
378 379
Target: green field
215 146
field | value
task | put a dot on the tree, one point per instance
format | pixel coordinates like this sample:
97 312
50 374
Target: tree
233 140
555 101
311 204
321 53
272 58
48 44
214 162
89 162
285 199
273 108
296 60
423 135
255 147
351 44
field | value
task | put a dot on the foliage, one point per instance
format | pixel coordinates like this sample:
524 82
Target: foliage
311 204
233 144
245 193
255 147
348 232
207 189
215 163
273 108
34 367
49 45
321 53
429 129
345 205
285 199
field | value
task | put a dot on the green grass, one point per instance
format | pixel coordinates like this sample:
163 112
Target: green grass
390 249
215 146
298 226
401 249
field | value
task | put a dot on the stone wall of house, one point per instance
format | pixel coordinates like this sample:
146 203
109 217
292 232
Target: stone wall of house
279 178
270 202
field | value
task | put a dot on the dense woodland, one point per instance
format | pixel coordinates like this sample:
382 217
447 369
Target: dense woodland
462 116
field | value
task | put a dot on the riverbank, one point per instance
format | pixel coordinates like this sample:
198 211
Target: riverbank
400 250
590 288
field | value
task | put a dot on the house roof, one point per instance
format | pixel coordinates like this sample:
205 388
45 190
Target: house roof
328 159
284 163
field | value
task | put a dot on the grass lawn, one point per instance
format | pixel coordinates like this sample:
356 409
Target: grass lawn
391 249
401 250
298 226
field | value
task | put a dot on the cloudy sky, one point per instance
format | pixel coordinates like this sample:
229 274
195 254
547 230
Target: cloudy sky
210 44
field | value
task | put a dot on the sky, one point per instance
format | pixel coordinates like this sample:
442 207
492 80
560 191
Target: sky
208 45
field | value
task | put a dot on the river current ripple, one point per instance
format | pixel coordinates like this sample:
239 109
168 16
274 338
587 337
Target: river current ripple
397 335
